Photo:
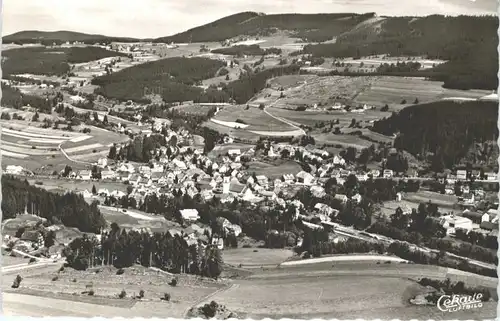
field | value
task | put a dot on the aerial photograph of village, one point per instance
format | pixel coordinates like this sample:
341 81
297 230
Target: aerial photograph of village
286 164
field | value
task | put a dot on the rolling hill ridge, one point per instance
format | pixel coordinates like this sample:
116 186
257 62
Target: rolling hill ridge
49 37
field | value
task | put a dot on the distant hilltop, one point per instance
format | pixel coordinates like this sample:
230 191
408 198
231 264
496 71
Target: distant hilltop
58 37
240 24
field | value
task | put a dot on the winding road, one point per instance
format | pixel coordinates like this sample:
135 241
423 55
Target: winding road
302 132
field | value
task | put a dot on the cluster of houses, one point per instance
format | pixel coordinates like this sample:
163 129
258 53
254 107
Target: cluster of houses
189 171
467 194
484 222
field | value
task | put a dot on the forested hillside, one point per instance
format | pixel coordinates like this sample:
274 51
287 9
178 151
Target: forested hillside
468 43
49 61
310 27
247 86
446 129
172 78
13 98
69 209
59 37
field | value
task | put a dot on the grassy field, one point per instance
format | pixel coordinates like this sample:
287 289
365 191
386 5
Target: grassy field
256 123
26 144
311 117
274 171
193 109
389 208
392 91
8 260
342 140
136 219
221 150
249 257
320 90
255 118
10 226
78 185
347 290
442 200
107 285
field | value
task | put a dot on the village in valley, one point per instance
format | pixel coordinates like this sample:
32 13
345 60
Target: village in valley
246 165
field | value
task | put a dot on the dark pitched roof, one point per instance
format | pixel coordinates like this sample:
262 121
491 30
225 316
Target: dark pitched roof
489 226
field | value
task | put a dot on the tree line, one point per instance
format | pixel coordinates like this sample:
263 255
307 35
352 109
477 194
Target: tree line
14 98
122 249
247 50
69 209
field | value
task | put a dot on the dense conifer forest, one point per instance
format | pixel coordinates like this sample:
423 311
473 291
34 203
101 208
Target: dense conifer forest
69 209
13 98
49 61
122 249
442 132
171 78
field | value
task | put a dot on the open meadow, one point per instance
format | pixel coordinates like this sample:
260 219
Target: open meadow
77 186
254 118
441 200
47 290
273 171
251 257
371 90
250 124
221 150
393 90
346 290
342 140
340 289
322 90
135 219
